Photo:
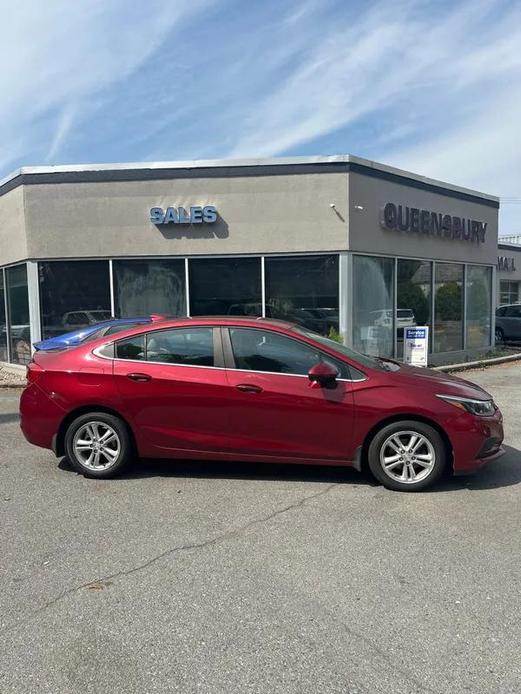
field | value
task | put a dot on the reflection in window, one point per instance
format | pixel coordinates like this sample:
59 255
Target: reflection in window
258 350
18 308
479 305
183 346
373 305
225 286
142 287
131 348
508 292
73 294
3 320
413 297
448 307
304 290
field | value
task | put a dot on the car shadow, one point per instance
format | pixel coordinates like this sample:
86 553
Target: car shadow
504 472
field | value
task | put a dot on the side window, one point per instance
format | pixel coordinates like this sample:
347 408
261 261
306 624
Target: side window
514 312
501 311
131 348
184 346
258 350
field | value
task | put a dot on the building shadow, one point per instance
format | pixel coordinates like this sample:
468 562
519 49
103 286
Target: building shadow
218 230
503 473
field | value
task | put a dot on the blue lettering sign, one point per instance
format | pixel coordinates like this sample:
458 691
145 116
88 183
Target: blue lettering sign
180 215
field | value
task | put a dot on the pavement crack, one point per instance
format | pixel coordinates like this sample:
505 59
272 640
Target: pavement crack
169 552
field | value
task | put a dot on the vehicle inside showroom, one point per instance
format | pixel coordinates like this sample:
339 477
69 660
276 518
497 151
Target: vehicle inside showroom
349 248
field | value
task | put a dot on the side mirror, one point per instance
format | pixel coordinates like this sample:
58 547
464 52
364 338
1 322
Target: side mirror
323 373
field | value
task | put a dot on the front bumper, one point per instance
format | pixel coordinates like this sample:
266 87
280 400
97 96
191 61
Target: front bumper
477 441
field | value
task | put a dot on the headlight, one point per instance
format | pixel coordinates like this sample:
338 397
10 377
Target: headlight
481 408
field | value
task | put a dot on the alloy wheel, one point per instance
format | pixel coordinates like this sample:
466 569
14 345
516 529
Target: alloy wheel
407 457
96 445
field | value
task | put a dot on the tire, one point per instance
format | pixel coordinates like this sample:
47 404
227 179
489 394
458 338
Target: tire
500 335
422 468
92 457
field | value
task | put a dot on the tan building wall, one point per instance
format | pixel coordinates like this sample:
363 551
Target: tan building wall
367 198
13 245
257 214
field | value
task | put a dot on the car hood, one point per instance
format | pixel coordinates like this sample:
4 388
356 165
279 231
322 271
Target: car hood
443 383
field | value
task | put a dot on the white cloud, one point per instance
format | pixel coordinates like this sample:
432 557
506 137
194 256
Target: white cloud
57 56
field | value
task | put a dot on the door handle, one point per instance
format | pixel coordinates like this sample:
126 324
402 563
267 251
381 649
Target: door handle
139 377
249 388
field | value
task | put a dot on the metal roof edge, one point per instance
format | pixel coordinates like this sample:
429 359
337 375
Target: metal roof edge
239 163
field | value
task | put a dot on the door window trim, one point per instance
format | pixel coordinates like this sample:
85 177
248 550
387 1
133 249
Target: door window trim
229 358
218 353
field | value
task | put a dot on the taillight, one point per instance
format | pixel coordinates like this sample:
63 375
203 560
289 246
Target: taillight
34 372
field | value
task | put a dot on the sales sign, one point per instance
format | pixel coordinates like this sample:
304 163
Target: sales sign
416 345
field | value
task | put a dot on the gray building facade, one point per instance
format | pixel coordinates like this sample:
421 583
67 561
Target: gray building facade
345 246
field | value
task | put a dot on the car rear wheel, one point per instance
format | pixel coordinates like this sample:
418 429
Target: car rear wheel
500 335
98 444
407 456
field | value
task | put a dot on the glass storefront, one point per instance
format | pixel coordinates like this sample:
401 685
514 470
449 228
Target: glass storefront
413 297
142 287
448 307
73 294
373 305
18 314
3 320
479 306
304 290
225 286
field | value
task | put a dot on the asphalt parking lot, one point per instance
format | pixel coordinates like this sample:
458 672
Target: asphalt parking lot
200 577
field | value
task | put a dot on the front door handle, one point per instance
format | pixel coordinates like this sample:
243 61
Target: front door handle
249 388
139 377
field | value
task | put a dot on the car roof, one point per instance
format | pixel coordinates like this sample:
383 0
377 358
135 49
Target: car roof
252 321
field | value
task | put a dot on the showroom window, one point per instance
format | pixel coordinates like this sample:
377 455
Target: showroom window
373 305
448 307
3 320
142 287
413 297
304 290
18 314
479 306
73 294
225 286
508 292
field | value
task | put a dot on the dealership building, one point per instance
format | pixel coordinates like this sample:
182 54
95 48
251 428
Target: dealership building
345 246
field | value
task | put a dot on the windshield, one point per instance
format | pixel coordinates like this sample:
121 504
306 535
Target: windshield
362 359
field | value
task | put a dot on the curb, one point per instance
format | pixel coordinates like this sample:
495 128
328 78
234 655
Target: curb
480 364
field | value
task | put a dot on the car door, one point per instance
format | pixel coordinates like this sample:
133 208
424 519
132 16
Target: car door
274 408
172 384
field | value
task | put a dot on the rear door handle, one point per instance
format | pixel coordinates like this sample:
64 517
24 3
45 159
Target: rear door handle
249 388
139 377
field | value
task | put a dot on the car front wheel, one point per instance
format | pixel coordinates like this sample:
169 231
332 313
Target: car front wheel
500 335
98 444
407 456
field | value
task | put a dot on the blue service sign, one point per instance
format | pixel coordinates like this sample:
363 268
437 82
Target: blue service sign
415 333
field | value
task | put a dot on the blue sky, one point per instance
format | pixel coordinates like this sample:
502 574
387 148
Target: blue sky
433 87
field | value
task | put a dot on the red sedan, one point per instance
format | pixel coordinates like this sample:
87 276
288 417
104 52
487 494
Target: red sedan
254 389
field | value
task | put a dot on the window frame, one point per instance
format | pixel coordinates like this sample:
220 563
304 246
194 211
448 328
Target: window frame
229 356
218 356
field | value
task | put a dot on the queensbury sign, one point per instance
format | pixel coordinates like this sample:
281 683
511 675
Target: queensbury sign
416 220
181 215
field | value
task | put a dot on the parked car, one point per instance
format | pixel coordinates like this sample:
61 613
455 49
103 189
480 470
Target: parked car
78 319
384 318
256 390
91 332
508 322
